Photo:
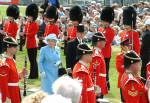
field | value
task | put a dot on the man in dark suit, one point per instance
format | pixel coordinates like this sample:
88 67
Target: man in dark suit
145 48
71 56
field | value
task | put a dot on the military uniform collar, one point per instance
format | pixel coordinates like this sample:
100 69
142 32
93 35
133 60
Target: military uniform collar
6 56
97 49
83 63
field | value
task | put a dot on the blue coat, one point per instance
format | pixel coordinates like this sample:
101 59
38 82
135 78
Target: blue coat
48 58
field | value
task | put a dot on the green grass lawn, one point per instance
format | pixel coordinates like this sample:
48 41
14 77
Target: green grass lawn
113 95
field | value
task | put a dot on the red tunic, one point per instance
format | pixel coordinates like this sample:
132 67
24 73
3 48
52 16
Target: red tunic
133 89
134 38
99 63
148 70
72 32
109 34
9 80
120 67
81 72
11 28
30 30
51 28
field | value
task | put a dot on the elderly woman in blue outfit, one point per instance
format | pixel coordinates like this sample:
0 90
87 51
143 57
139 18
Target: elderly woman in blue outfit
49 62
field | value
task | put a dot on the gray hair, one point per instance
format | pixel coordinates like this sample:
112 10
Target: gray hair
69 88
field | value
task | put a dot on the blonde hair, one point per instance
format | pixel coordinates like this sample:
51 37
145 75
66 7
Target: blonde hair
35 97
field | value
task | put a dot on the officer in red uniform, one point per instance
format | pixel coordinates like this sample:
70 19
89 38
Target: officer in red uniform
82 73
148 70
76 17
98 67
133 89
9 77
129 22
125 46
107 16
30 31
51 26
10 26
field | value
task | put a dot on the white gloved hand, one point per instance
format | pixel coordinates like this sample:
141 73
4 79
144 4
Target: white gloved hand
69 70
43 74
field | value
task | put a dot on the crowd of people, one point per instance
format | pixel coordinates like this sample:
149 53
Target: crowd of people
85 35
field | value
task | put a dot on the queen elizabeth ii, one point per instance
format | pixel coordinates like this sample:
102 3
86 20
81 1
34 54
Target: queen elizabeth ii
48 62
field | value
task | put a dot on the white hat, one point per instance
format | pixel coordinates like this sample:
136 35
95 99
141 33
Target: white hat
56 99
50 37
147 22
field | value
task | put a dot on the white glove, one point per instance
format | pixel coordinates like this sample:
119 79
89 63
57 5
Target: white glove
69 70
43 74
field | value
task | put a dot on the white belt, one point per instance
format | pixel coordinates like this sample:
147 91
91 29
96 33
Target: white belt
102 75
90 89
13 84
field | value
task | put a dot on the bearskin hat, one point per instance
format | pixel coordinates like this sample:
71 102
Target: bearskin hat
76 14
107 14
13 11
52 13
129 16
32 10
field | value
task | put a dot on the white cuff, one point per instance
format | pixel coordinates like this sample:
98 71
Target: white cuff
90 89
102 75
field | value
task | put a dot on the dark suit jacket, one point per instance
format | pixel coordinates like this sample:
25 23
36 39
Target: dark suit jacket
145 47
71 55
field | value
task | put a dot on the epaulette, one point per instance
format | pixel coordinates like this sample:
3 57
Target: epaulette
3 61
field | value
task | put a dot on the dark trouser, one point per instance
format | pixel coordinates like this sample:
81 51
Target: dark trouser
1 47
99 97
122 100
107 61
32 54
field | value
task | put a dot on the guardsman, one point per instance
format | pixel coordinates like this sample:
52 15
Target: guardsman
71 55
107 16
10 26
82 73
9 77
129 22
51 26
98 67
30 31
76 17
148 70
133 89
125 46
